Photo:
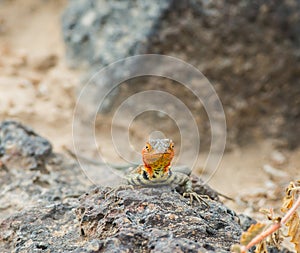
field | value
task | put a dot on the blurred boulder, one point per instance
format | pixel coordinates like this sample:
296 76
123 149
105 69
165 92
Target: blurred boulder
249 50
21 145
31 174
101 32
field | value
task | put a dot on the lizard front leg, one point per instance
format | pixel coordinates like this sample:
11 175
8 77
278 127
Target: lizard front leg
182 179
193 195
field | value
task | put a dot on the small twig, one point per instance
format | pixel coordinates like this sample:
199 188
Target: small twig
225 197
291 211
273 228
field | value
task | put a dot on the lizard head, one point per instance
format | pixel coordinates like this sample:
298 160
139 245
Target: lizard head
157 155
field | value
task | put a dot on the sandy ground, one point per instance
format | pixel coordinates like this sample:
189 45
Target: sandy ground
38 89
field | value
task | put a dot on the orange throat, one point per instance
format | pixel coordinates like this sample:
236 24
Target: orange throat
157 164
157 157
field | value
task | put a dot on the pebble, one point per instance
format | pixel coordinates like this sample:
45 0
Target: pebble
273 171
277 157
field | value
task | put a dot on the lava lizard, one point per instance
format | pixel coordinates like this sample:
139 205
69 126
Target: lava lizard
157 156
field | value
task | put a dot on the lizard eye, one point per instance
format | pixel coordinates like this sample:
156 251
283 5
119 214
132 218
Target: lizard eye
172 145
148 147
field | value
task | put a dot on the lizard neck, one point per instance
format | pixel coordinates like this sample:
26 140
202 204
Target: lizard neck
156 172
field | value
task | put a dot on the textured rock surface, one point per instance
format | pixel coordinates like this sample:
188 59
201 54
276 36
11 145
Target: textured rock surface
156 219
50 228
248 49
143 220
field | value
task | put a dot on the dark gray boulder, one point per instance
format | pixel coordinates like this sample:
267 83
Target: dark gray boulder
141 220
156 220
55 209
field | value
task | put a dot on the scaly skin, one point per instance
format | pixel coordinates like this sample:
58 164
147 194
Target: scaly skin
156 171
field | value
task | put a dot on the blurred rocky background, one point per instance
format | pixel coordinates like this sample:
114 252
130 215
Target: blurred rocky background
249 50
